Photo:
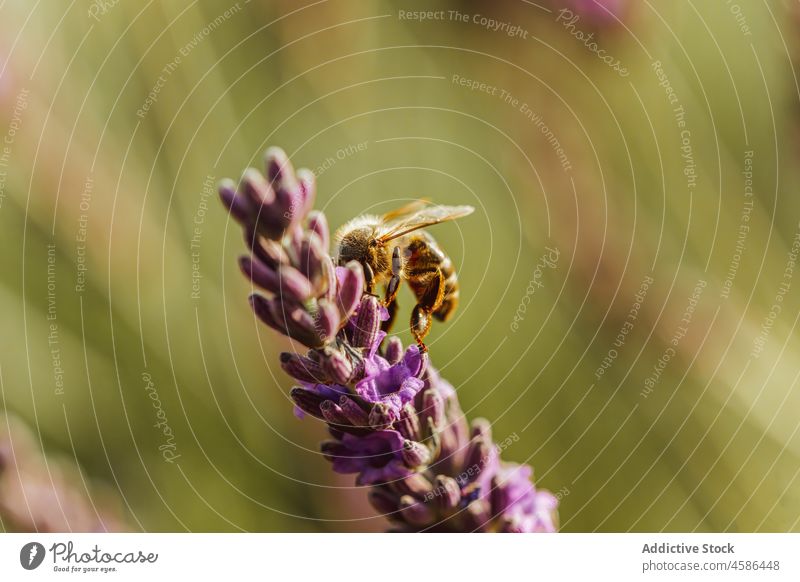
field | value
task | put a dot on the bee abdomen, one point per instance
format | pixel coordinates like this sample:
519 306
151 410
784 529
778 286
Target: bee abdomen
423 258
450 300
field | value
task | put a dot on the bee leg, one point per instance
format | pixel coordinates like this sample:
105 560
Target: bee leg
420 325
369 280
430 301
394 283
390 298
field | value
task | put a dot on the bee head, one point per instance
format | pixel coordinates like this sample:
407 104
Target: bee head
361 244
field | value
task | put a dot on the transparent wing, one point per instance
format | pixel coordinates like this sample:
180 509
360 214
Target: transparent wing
427 216
398 213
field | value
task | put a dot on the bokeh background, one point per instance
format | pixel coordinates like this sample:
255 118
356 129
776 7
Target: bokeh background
649 373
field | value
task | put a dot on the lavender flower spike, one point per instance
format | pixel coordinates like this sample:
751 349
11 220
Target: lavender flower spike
395 422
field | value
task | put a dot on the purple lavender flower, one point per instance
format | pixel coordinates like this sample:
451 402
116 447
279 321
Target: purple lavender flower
392 384
394 421
524 509
377 456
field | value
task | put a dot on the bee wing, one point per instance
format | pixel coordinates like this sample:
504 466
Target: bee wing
425 217
410 208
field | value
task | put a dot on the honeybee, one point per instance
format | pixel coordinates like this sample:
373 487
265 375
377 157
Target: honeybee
392 248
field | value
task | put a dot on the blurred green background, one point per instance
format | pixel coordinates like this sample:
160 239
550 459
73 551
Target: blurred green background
118 118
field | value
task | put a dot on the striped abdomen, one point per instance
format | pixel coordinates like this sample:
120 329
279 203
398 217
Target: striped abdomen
422 258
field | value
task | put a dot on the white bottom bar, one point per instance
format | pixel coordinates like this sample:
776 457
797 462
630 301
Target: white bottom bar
389 557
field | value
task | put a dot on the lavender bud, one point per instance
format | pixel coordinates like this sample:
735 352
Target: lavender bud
368 323
498 494
383 501
407 423
310 264
333 414
330 285
293 284
331 449
415 512
433 440
287 204
278 166
288 282
482 428
354 413
351 286
261 308
433 409
302 368
299 324
289 320
293 241
268 218
455 436
336 365
327 320
449 493
394 350
257 190
423 364
268 251
451 448
478 455
477 516
381 416
318 224
415 485
415 454
307 182
307 401
237 205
